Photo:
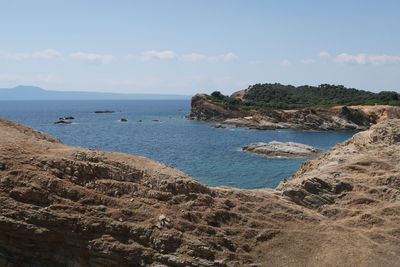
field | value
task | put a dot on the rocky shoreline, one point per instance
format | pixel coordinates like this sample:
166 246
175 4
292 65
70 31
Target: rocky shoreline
70 206
321 119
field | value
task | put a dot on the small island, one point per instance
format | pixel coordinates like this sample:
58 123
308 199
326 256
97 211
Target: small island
104 111
275 106
282 149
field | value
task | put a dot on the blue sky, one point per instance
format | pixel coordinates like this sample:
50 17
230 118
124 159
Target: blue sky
184 47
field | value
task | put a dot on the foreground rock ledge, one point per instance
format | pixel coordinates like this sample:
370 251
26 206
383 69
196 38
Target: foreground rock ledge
282 149
69 206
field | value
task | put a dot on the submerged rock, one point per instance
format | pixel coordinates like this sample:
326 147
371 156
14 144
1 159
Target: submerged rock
281 149
104 111
62 121
218 125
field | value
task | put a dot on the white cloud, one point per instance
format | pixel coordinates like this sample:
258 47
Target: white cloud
153 54
43 54
194 57
324 54
92 58
322 57
49 53
286 62
229 57
49 78
364 59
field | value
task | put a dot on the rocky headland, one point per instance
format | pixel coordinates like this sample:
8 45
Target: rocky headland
333 118
70 206
281 149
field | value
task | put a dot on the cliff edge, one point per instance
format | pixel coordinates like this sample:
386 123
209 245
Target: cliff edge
70 206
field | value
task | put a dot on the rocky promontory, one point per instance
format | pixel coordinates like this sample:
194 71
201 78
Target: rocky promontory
70 206
281 149
318 118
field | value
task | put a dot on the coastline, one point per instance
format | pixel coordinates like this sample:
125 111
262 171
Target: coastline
336 118
85 201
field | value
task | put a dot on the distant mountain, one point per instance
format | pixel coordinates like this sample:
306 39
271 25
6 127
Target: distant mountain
36 93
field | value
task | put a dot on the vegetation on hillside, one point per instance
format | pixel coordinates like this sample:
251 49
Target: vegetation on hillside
278 96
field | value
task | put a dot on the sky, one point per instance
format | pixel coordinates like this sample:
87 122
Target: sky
187 46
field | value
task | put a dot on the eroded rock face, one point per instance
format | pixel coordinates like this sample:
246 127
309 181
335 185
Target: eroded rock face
282 149
204 110
336 118
69 206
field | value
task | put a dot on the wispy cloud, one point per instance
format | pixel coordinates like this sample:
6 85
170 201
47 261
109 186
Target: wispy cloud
38 78
308 61
195 57
10 77
190 57
92 58
229 57
286 62
364 59
154 54
360 59
324 54
43 54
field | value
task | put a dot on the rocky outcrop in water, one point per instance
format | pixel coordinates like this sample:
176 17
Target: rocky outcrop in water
62 122
104 111
335 118
282 149
69 206
218 126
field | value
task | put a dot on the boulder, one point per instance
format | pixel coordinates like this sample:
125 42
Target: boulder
281 149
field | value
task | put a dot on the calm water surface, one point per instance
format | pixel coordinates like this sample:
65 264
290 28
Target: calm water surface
210 155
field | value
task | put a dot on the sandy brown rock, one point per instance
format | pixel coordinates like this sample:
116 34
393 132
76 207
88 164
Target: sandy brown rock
335 118
204 110
69 206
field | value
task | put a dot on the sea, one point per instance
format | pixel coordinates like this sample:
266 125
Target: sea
158 129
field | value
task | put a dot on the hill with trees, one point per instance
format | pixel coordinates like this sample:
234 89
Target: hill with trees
279 96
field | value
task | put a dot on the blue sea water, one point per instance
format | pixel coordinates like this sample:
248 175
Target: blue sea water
212 156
